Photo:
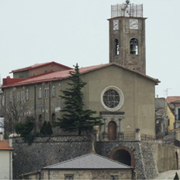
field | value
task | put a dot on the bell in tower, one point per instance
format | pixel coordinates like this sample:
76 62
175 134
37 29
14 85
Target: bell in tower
127 36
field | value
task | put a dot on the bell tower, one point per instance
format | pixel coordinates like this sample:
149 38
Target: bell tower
127 36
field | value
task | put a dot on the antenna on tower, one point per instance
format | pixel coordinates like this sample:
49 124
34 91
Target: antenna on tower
167 91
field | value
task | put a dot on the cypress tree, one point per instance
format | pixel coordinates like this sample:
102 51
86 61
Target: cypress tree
49 129
176 177
75 117
43 128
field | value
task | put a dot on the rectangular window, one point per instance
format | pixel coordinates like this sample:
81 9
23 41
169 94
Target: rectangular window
27 94
18 96
3 101
46 92
53 91
11 96
114 177
69 177
40 93
22 96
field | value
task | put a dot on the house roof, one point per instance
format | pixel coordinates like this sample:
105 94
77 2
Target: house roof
59 75
171 99
89 161
5 146
37 66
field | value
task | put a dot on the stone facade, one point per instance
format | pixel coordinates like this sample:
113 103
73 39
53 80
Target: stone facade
124 35
137 91
81 174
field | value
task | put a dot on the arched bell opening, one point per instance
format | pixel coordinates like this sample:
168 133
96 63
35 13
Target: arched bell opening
134 46
116 47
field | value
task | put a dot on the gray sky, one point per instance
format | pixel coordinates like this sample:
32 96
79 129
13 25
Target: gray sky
76 31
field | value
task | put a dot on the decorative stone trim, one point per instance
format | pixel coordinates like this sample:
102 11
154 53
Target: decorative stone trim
121 102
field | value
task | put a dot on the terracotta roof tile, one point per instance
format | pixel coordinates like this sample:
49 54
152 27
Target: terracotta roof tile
5 146
38 65
171 99
59 75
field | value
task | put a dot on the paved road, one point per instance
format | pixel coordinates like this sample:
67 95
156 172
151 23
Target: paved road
168 175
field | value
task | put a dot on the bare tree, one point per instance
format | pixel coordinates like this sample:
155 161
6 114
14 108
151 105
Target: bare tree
15 110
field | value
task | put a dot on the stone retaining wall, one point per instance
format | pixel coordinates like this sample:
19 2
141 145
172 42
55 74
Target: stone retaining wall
149 157
47 151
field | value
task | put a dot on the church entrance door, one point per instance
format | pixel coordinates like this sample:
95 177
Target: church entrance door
112 130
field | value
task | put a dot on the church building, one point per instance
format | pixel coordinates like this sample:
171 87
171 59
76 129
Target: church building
119 91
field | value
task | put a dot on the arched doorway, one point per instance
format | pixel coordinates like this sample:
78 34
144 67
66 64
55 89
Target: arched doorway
123 155
112 130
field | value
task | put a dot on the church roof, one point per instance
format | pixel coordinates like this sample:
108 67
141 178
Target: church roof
37 66
89 161
59 75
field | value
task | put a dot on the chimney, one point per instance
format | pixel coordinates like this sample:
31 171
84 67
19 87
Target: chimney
10 142
1 136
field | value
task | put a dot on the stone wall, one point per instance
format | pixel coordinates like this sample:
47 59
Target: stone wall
149 158
105 149
47 151
166 156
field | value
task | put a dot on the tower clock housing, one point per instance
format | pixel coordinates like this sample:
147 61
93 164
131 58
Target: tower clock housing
127 36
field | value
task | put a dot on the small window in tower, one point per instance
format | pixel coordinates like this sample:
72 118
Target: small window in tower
116 47
133 46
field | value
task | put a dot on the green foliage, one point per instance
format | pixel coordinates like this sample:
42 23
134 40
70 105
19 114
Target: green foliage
25 129
46 129
74 117
176 177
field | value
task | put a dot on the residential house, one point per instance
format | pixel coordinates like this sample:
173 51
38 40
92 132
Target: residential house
174 104
162 119
6 158
86 167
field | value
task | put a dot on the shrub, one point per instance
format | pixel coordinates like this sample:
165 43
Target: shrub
25 129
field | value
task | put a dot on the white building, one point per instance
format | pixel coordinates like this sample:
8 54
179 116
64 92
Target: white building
5 159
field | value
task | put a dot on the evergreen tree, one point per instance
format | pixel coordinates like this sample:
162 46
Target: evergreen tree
75 117
43 128
46 128
49 129
176 177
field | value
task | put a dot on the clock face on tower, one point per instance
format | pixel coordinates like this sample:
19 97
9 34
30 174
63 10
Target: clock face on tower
133 23
115 24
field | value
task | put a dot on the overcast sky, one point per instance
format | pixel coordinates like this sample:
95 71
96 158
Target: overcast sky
76 31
